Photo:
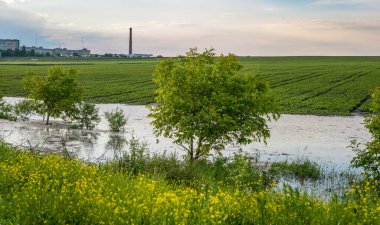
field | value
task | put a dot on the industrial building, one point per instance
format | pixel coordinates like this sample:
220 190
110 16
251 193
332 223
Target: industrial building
62 52
14 45
131 54
11 44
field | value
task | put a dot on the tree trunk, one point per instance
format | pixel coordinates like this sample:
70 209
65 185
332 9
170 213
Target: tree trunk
191 153
47 119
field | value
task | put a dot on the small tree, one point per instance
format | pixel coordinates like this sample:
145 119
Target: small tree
116 120
204 103
369 158
58 92
87 115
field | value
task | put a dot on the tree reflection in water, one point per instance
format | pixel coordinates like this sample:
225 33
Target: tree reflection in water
116 143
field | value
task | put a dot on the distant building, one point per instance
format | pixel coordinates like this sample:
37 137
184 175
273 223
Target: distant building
62 52
138 55
12 44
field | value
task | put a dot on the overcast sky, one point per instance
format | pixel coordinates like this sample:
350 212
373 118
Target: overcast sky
171 27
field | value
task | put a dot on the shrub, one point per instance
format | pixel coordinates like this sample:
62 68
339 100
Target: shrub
300 168
369 157
87 115
116 120
7 111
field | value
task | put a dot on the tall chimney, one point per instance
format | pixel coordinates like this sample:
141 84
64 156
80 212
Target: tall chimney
130 40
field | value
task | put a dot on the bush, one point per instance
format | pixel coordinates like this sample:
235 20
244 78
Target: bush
134 160
300 168
87 115
116 120
242 173
7 111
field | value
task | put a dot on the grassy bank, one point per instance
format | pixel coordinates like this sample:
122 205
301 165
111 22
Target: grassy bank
303 85
50 189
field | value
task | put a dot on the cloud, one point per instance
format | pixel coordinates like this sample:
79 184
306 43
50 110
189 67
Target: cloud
16 24
27 27
14 1
243 27
346 2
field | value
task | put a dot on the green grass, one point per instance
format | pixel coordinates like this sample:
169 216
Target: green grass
302 85
300 168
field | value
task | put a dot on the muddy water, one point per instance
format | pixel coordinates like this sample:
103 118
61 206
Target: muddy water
319 138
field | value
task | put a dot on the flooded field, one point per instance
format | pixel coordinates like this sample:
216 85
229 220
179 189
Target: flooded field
322 139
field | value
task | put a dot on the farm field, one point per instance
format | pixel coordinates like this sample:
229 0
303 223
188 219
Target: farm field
302 85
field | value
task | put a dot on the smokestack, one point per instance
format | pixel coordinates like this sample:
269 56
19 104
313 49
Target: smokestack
130 41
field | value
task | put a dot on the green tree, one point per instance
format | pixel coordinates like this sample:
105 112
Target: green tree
203 102
116 120
369 157
57 93
87 115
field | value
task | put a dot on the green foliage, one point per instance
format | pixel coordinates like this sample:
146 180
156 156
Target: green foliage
204 103
25 108
242 173
116 120
58 91
6 111
369 157
86 115
300 168
133 161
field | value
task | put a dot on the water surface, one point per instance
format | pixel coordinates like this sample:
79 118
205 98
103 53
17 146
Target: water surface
323 139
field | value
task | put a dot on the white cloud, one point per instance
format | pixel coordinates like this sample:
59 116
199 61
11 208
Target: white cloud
14 1
171 27
346 2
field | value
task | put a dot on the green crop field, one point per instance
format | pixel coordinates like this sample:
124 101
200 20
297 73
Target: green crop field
304 85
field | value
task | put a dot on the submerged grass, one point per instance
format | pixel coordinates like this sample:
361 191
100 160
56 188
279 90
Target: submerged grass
301 168
50 189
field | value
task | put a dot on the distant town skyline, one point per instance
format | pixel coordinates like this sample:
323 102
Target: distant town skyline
169 27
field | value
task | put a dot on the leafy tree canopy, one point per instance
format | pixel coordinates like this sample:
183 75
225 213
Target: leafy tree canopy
58 92
203 102
369 157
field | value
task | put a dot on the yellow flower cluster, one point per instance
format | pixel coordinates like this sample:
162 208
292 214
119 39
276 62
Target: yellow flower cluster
47 189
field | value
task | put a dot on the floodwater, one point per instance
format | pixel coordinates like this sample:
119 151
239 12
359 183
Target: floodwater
323 139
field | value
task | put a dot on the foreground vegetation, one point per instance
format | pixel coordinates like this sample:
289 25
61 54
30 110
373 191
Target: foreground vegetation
305 85
50 189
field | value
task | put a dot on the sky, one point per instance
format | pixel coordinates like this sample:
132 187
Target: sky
171 27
